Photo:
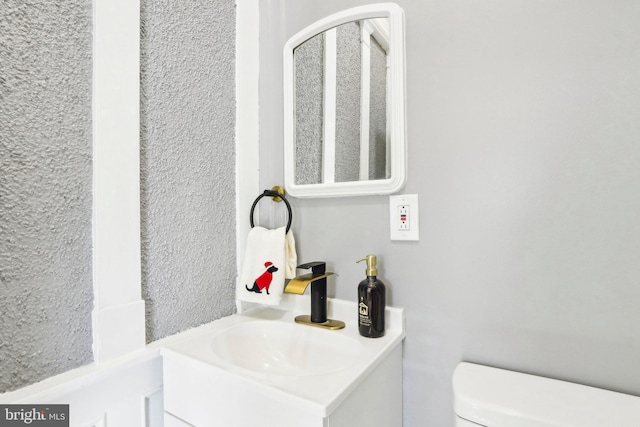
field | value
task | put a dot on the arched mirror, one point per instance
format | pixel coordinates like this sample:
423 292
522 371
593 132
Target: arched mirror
344 100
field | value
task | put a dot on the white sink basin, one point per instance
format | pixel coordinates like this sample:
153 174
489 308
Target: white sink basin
263 358
286 349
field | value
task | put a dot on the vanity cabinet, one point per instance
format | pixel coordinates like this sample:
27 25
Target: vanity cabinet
197 395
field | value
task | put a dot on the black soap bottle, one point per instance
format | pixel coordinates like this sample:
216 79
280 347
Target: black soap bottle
371 302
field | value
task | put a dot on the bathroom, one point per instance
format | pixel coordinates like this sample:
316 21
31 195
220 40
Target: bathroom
523 121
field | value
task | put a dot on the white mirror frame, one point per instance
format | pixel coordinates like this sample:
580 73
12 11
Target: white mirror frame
396 111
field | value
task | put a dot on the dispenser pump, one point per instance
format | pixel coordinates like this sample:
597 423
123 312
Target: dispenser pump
372 271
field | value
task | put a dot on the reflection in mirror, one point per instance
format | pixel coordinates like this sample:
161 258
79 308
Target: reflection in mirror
344 107
340 104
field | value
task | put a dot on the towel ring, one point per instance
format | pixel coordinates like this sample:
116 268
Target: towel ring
275 195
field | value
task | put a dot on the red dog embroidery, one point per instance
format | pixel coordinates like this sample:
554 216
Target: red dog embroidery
264 281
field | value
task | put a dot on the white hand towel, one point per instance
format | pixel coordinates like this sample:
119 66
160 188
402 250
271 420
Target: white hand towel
269 259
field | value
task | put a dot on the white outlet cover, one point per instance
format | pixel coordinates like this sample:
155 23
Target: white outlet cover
413 233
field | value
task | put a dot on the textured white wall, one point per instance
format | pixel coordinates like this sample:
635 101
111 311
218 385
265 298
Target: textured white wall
523 128
187 163
45 189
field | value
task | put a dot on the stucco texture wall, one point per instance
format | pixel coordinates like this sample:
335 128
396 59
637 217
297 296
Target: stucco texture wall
45 189
309 111
523 122
348 82
187 163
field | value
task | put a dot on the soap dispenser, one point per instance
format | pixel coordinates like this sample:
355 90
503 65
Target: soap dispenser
371 301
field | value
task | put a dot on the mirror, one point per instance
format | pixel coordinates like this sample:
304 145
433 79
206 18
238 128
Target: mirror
344 104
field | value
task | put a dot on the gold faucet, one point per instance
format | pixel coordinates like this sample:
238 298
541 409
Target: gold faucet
299 284
318 281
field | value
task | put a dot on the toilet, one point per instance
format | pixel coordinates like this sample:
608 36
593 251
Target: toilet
491 397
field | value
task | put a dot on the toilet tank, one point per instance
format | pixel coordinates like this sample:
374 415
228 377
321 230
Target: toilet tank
491 397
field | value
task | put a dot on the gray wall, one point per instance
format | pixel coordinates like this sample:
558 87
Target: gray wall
523 129
46 293
187 163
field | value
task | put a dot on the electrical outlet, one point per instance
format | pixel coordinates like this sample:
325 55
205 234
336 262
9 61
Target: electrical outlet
403 217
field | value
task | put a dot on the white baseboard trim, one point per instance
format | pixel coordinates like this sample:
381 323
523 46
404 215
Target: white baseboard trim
123 393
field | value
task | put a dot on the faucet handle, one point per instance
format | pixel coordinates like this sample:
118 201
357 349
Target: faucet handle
317 267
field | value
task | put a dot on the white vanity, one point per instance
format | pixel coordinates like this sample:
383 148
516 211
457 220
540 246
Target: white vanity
261 368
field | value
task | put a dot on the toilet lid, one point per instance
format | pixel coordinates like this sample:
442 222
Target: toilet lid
497 397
